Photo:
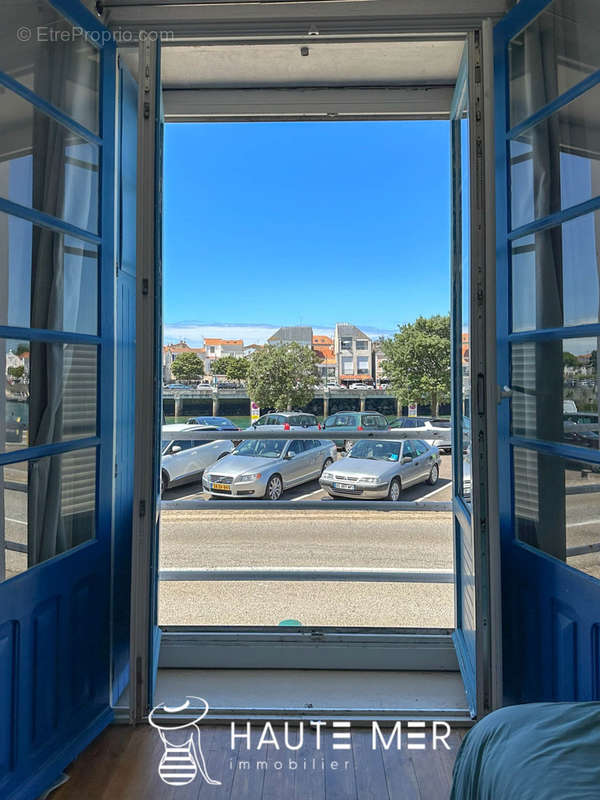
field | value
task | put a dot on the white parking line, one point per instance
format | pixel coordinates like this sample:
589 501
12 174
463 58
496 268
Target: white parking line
435 491
310 494
190 496
581 524
18 521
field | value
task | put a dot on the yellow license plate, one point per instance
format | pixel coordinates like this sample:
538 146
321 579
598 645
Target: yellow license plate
223 487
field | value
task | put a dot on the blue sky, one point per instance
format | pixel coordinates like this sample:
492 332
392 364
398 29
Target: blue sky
311 223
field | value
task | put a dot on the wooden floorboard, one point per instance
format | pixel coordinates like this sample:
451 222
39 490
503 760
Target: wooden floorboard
123 763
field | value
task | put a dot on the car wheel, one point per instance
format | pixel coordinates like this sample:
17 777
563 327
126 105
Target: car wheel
395 489
348 445
433 475
164 482
274 488
328 463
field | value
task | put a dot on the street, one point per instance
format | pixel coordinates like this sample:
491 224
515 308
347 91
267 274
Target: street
308 539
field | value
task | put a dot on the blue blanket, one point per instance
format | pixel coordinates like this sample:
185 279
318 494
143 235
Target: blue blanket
540 751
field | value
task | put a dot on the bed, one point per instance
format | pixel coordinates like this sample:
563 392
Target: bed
539 751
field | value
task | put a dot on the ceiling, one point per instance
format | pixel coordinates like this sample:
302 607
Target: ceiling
312 64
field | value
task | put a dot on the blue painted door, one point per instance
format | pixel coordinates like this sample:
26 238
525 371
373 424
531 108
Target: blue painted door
547 96
56 404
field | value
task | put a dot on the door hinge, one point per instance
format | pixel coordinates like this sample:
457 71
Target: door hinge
116 469
145 286
142 508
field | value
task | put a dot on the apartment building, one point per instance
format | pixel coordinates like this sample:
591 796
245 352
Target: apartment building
217 348
301 334
170 353
353 353
327 366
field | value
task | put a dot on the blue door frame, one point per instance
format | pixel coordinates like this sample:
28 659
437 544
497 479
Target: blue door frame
551 611
55 617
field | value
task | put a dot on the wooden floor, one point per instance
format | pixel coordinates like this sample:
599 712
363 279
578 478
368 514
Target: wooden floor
123 763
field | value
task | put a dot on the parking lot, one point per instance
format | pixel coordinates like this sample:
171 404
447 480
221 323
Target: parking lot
312 490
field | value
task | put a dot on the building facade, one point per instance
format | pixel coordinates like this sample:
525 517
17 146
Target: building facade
353 354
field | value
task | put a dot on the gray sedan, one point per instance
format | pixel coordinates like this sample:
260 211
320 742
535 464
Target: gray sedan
381 469
267 467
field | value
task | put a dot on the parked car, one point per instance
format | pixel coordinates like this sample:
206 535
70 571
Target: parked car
222 423
434 431
286 421
354 421
184 460
14 429
382 469
359 386
581 428
178 387
204 386
267 467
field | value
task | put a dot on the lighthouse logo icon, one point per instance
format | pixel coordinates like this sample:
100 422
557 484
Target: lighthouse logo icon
182 758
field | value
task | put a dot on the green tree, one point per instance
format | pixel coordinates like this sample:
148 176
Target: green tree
218 366
16 372
187 367
569 359
417 361
282 377
235 369
20 349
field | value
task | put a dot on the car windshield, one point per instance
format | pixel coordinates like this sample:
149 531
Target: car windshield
164 444
261 448
340 421
376 451
217 422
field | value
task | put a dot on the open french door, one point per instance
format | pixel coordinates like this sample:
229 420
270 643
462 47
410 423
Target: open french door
145 633
547 96
57 133
476 631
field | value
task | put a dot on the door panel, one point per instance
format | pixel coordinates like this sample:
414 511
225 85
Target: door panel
125 395
55 641
548 263
468 368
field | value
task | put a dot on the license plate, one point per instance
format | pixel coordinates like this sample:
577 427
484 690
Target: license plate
347 486
222 487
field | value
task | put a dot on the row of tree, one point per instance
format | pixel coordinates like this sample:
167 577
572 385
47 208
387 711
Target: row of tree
417 363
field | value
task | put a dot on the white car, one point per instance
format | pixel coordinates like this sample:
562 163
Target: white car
184 460
286 421
436 432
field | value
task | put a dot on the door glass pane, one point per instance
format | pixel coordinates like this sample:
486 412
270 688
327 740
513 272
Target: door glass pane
49 393
44 52
557 507
555 391
555 52
462 260
555 164
45 166
59 271
556 275
48 507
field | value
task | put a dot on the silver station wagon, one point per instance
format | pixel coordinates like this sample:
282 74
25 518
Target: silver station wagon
267 467
381 469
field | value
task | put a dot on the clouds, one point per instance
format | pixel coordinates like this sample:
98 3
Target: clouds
194 332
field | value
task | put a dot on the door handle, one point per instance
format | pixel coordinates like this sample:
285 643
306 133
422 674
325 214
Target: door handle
504 392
